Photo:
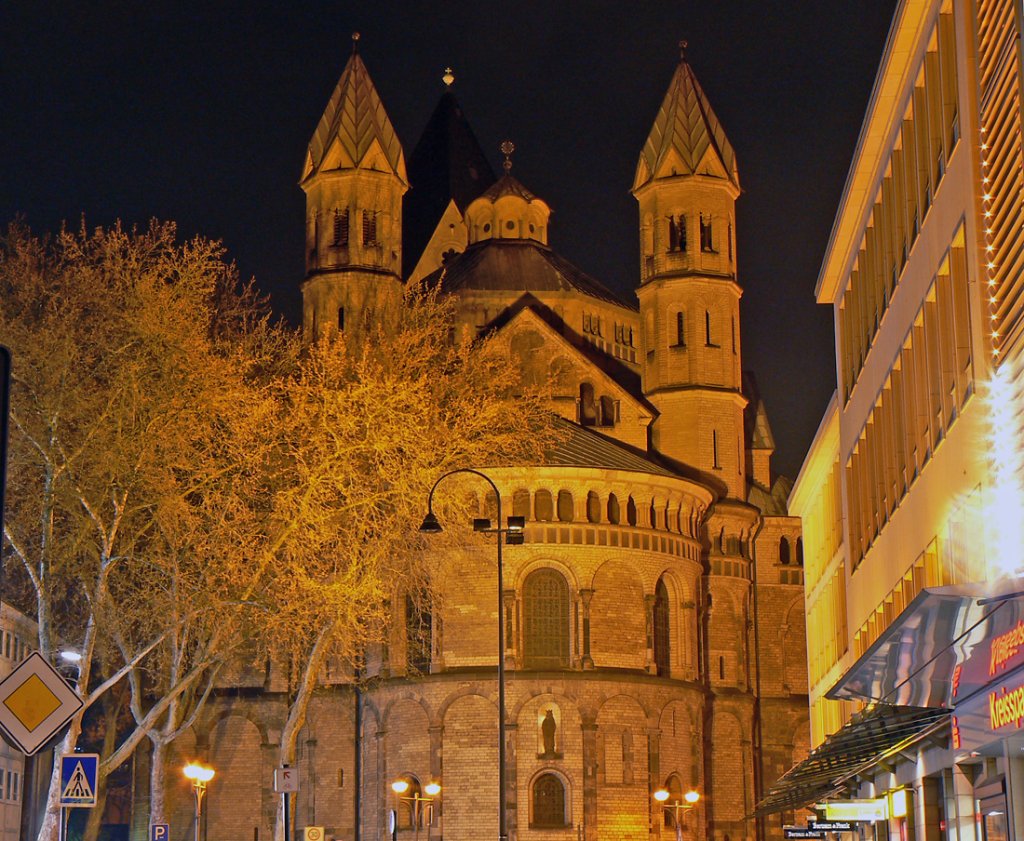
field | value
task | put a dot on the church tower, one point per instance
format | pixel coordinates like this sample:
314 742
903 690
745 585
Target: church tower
354 179
686 185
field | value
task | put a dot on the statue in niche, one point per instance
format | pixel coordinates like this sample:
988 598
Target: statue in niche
547 731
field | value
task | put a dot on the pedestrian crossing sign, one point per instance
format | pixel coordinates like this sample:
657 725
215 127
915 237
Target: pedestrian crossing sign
78 772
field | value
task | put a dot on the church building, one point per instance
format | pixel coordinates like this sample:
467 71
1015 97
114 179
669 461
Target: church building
653 617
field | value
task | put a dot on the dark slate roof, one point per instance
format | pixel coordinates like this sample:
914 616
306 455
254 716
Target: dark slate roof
584 447
774 502
519 265
446 164
508 186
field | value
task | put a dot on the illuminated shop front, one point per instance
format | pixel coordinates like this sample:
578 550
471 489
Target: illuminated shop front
939 748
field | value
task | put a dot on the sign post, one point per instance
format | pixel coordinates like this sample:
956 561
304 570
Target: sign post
79 774
286 782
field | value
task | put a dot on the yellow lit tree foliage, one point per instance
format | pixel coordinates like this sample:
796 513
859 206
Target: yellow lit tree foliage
136 447
189 486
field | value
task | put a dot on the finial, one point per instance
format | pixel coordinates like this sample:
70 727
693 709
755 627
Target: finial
355 42
506 148
682 49
448 77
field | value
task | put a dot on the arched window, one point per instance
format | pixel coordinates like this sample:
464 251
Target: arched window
631 512
662 656
543 507
548 802
405 809
613 509
546 619
593 508
653 514
418 631
565 512
674 787
521 504
800 551
588 408
783 551
607 406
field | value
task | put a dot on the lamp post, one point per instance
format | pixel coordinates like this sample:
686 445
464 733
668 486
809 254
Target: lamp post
691 797
200 775
400 787
513 532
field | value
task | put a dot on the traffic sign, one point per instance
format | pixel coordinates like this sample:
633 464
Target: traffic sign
313 833
78 777
286 780
159 832
35 703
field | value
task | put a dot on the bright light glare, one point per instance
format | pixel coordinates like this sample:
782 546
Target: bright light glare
400 786
432 789
661 795
71 656
1004 513
198 773
691 796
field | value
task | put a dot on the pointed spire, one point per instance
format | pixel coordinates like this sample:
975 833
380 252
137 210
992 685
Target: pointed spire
353 124
685 131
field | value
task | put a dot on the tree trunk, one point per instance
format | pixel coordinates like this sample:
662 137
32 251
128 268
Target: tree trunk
51 819
157 792
95 820
297 715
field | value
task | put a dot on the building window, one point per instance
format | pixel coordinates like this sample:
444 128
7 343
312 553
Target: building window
548 802
714 450
369 227
707 329
613 509
593 508
729 240
677 233
341 319
418 632
783 551
800 551
406 804
588 406
631 511
706 243
661 629
565 513
608 408
521 504
680 329
674 787
341 227
543 507
546 619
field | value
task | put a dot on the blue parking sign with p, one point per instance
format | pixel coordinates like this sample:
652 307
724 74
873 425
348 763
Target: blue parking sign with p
160 832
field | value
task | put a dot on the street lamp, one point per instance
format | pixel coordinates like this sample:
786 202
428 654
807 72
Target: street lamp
691 797
200 775
400 787
513 532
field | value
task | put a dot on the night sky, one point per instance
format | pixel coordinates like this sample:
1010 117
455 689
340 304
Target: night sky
200 113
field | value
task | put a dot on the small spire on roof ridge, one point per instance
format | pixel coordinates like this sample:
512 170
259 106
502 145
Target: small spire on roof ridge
448 78
682 49
506 148
355 43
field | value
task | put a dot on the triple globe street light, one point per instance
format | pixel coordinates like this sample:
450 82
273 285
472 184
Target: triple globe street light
417 801
513 534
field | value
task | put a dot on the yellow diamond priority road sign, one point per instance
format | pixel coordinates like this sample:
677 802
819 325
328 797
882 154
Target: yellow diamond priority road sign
35 702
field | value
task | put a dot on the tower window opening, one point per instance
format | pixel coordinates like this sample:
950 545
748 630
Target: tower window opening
714 449
707 329
341 227
369 227
609 410
680 330
341 319
706 242
729 241
588 406
677 233
721 668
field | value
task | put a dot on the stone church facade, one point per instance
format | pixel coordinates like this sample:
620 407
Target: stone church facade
653 616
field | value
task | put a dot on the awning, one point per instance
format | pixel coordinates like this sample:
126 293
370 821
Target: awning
870 737
912 661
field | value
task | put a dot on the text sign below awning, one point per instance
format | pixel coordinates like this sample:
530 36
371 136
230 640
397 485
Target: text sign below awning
35 703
